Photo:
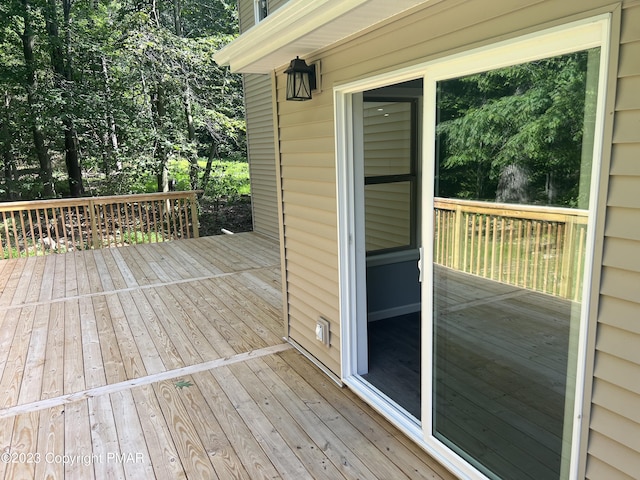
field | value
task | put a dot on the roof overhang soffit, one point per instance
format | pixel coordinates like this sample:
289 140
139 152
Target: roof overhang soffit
301 27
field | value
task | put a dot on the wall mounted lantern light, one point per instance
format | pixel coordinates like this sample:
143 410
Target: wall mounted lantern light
301 79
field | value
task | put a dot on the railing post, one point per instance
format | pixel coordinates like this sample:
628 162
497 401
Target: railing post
194 214
567 256
457 235
95 240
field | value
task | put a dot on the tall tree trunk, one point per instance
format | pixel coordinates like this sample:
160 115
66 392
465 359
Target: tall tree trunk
60 51
177 21
9 160
111 145
159 111
213 153
42 152
188 113
191 135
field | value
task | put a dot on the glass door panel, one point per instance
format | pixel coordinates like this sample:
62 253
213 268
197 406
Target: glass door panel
512 182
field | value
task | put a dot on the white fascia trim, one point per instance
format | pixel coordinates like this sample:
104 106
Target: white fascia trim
281 28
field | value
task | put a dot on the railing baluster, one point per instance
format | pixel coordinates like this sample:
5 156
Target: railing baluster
37 239
446 245
139 222
105 221
510 251
6 234
72 230
182 209
519 253
472 242
567 260
485 263
494 236
174 214
194 215
133 234
120 236
558 259
126 230
527 251
446 242
440 234
536 256
547 257
150 208
580 262
154 208
109 231
16 236
501 254
62 225
84 225
24 235
463 231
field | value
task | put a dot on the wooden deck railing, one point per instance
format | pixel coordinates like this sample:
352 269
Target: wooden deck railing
48 226
539 248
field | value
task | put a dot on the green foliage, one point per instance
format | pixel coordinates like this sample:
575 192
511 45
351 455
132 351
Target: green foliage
529 117
135 70
229 179
138 236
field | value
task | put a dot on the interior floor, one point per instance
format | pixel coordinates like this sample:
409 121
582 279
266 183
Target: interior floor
394 360
500 376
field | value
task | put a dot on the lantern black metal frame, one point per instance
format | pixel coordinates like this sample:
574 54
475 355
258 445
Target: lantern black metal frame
301 80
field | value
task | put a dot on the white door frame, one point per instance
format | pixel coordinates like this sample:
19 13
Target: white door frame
580 35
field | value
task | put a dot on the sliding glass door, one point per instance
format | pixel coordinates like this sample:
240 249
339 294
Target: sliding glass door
485 166
510 220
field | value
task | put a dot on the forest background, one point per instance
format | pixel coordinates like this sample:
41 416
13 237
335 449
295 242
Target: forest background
106 97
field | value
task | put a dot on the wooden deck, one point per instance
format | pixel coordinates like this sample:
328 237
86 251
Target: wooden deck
167 361
501 355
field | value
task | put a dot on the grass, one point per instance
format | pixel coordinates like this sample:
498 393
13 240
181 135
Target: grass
138 236
229 178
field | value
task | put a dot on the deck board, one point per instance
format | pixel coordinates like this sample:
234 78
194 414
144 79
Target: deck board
167 361
53 373
9 283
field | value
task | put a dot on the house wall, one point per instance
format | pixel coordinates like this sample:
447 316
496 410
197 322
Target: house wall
387 142
246 15
260 136
261 152
614 440
308 176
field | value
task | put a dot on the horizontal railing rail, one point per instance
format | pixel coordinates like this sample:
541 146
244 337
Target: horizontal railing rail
538 248
47 226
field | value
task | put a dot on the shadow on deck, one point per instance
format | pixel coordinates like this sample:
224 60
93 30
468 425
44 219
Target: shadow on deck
167 361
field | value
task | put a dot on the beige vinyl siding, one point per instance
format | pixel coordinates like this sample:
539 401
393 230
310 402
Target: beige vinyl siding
387 138
246 12
387 151
614 439
310 222
261 152
260 137
275 4
307 140
387 211
246 15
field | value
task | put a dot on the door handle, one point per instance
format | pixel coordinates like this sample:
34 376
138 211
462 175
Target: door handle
421 264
